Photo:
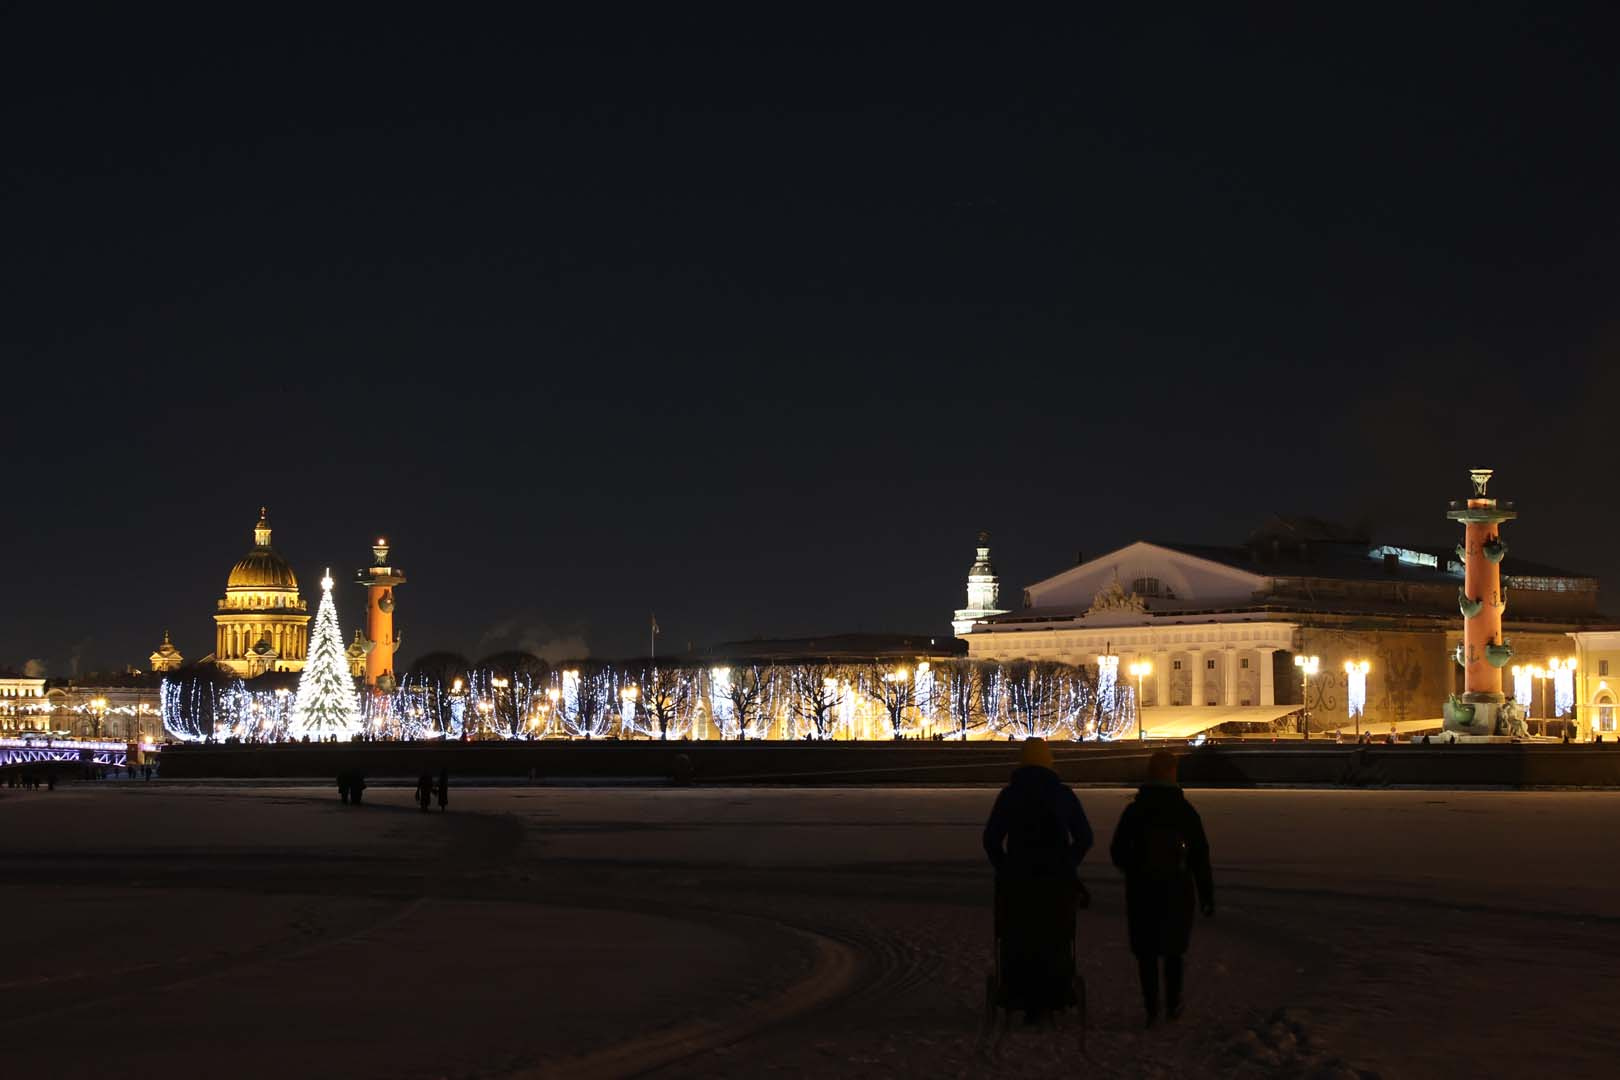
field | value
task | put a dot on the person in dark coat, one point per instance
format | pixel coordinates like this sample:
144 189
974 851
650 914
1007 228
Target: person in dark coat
1036 837
444 788
1161 848
343 787
424 791
357 784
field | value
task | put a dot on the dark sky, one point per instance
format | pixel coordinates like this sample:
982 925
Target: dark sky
755 323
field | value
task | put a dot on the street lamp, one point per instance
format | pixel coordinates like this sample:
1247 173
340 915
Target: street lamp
627 708
1140 670
98 709
1308 666
1559 671
1355 689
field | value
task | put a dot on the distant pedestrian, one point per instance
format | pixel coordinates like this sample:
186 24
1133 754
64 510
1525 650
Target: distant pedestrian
444 788
343 787
1161 847
424 791
357 785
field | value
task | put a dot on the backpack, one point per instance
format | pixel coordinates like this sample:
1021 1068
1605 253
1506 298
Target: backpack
1162 850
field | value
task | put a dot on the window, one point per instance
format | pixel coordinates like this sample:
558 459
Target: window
1603 667
1145 586
1245 664
1175 665
1209 665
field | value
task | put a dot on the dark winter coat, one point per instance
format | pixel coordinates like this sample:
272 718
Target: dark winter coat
1159 904
1037 828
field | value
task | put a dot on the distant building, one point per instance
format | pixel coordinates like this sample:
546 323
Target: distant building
1221 626
22 703
983 591
262 623
167 657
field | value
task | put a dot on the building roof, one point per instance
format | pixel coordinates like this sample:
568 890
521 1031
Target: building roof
1354 561
838 646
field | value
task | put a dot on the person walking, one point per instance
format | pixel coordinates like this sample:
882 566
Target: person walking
1036 836
424 791
444 788
1161 848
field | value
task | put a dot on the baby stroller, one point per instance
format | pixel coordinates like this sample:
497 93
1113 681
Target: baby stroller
1033 968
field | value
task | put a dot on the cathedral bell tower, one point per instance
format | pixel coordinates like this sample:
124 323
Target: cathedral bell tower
983 591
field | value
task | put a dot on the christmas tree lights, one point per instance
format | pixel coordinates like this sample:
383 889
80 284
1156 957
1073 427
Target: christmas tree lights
326 705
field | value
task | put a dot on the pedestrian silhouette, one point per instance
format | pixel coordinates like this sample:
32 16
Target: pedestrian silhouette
1161 847
343 787
444 789
1035 837
424 791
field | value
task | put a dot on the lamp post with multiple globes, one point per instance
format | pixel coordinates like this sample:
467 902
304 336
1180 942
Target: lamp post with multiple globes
1308 666
1140 670
1355 671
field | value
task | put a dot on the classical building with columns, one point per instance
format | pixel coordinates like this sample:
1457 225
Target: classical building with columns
262 623
1221 628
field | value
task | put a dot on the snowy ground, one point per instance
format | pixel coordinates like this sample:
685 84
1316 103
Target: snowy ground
249 931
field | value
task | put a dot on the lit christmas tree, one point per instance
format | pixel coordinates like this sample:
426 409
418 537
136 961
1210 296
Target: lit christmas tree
326 704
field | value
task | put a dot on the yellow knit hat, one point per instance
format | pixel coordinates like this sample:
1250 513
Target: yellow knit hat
1036 752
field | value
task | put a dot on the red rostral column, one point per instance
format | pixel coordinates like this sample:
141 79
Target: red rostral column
380 580
1481 601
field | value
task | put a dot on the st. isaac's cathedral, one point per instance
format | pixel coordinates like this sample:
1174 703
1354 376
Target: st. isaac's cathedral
262 623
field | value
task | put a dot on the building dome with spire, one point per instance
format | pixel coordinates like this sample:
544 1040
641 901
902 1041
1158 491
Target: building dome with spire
983 590
262 623
167 657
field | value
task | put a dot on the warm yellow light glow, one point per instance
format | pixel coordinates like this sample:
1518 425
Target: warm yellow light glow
1141 668
1352 667
499 684
554 694
1308 664
455 687
629 693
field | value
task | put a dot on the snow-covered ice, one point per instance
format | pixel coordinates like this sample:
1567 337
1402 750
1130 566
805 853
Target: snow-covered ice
159 929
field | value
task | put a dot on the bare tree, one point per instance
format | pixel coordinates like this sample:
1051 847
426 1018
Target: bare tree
1040 697
666 695
890 686
813 695
966 689
746 696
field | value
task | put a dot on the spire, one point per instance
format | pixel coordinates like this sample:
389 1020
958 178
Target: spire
261 531
983 590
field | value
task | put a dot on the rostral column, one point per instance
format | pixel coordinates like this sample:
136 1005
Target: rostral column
1482 709
380 580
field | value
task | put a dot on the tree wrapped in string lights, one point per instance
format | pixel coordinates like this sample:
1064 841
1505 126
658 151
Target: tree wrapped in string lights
326 704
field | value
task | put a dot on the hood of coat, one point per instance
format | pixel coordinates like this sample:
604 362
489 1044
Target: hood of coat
1034 776
1160 794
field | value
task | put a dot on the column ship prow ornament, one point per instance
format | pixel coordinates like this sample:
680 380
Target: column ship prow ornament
1482 711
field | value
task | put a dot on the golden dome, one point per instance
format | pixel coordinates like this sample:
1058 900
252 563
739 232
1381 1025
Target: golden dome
262 568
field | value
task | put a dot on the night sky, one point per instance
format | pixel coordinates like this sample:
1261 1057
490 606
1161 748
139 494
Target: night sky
754 324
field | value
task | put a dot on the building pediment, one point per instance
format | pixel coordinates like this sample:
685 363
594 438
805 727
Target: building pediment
1157 578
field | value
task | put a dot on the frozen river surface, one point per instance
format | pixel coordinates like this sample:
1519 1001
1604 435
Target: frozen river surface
250 931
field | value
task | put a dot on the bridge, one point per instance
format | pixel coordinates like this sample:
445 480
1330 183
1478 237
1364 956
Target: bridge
73 751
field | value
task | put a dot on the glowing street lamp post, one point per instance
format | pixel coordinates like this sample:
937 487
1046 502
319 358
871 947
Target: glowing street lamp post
98 709
1355 685
1140 670
627 709
1308 666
